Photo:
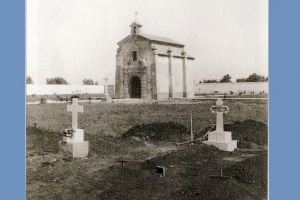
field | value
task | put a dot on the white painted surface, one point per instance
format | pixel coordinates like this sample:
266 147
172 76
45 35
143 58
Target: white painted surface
220 138
219 122
63 89
74 108
162 77
78 136
190 89
209 88
177 73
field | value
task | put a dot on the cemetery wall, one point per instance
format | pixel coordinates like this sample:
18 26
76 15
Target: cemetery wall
63 89
210 88
190 66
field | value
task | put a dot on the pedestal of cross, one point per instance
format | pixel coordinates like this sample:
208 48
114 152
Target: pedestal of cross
74 141
220 138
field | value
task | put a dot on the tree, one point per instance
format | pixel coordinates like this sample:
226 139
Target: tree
56 81
256 78
253 78
29 80
225 79
87 82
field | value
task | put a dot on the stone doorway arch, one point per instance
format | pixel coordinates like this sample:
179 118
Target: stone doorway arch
135 87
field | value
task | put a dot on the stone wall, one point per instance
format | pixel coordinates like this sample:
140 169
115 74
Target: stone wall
127 68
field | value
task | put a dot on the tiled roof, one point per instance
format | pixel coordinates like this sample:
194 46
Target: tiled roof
160 39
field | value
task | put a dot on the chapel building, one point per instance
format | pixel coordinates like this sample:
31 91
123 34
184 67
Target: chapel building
152 67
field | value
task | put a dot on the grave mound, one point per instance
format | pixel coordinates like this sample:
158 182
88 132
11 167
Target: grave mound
188 155
170 131
246 132
249 131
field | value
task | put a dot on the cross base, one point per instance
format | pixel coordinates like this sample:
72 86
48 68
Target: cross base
77 136
107 98
222 140
78 150
75 144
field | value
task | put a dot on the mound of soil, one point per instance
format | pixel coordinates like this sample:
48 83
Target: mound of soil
190 174
249 131
170 131
188 156
246 132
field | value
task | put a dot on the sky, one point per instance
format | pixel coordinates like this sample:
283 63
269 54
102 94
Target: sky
77 39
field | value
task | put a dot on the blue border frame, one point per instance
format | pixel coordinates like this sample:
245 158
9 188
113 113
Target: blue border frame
12 62
284 96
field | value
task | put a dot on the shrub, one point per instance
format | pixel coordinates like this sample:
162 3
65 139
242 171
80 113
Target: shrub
57 81
75 96
29 80
43 100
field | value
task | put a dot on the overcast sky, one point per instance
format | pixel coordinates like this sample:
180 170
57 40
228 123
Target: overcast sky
77 39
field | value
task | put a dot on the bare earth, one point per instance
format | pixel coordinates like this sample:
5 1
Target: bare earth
145 135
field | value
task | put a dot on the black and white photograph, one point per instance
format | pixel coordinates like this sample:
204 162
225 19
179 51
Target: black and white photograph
147 99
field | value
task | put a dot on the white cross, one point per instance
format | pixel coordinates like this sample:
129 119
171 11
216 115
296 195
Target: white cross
136 15
219 109
74 108
105 85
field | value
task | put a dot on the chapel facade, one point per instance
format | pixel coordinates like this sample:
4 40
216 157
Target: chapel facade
151 67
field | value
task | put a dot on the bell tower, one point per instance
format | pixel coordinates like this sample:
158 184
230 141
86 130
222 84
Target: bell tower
135 27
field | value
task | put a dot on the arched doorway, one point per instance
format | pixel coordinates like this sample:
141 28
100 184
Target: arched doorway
135 88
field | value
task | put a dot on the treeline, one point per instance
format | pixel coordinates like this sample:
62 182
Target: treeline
253 78
56 81
89 82
227 79
62 81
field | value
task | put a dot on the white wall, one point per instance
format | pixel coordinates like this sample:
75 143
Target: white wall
190 78
63 89
177 73
209 88
162 77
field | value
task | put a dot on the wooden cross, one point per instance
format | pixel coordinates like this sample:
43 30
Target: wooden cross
192 134
74 108
122 161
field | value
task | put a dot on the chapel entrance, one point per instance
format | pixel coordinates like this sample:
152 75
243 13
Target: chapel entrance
135 88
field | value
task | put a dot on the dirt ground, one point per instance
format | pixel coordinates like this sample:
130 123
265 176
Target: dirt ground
145 136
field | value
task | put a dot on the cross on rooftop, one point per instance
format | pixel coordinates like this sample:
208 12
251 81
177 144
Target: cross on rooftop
74 108
136 14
